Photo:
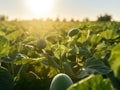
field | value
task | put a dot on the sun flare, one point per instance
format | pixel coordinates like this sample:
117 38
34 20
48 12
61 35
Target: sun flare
40 8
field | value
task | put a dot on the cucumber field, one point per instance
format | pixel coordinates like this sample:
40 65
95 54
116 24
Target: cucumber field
84 54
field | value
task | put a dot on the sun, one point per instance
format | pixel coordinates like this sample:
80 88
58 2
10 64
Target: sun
40 8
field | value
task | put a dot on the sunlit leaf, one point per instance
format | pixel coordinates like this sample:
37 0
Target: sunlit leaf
94 39
92 83
115 60
109 34
4 46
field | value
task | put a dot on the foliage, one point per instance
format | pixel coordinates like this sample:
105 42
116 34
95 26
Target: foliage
114 61
33 52
106 17
92 83
4 46
6 80
3 18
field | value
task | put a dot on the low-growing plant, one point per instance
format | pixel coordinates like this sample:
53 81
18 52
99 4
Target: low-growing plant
27 58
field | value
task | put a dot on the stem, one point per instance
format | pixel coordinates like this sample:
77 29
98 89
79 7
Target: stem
60 55
12 69
114 81
88 34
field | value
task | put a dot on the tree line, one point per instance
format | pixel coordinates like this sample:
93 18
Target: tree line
101 18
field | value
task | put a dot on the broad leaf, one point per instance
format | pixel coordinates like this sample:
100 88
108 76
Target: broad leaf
68 68
51 61
84 51
109 34
118 32
92 83
17 56
4 46
6 80
95 39
60 51
93 66
115 60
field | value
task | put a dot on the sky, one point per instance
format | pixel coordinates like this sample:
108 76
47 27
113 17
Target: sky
77 9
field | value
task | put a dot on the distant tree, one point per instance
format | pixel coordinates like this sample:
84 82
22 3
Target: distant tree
57 19
72 20
64 20
105 17
3 18
86 19
77 20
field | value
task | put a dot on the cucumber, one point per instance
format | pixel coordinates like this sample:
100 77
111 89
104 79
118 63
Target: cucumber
73 32
41 44
61 82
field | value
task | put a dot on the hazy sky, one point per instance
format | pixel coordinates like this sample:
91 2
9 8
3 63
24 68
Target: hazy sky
64 8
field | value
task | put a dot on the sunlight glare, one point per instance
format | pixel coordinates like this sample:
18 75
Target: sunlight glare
40 8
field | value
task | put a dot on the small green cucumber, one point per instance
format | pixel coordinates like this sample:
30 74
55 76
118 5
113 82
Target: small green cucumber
41 44
73 32
61 82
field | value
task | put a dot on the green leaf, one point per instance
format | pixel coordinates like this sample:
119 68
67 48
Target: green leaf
118 32
75 50
101 46
84 51
68 68
15 36
23 69
95 39
17 56
96 66
92 83
4 46
115 61
60 51
93 66
109 34
6 80
50 60
105 58
53 38
6 60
